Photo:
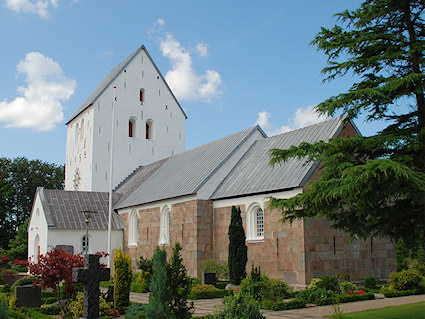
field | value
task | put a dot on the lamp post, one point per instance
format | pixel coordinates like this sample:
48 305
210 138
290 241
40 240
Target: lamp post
87 215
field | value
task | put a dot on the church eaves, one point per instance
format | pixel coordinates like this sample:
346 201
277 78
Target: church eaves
107 81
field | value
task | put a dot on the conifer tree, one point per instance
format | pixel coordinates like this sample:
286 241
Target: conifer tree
179 286
238 252
158 307
122 280
371 185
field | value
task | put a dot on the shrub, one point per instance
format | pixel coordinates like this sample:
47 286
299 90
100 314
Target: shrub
405 279
76 306
370 282
135 311
274 290
238 252
220 284
208 292
347 286
158 298
220 269
313 283
23 281
178 285
50 309
312 295
143 280
283 305
122 280
329 283
4 307
344 298
146 272
240 306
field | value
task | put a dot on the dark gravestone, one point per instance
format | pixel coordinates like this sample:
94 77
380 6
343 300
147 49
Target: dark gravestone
90 276
68 248
28 296
209 278
110 294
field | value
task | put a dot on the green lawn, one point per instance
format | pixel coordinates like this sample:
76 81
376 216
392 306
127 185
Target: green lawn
410 311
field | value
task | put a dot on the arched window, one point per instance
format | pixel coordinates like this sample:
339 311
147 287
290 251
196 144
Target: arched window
255 223
36 248
132 127
85 244
149 130
164 226
132 228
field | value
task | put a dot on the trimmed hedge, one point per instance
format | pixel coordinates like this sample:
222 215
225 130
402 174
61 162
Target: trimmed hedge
344 299
283 305
209 294
401 293
50 310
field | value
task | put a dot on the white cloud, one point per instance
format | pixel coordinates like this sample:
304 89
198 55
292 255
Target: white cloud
39 7
39 105
183 79
202 49
303 117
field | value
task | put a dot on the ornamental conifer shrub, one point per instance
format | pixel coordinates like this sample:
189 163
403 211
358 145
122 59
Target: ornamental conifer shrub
122 280
238 252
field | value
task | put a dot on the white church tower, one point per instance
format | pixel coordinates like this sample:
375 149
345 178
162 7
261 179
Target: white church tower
149 125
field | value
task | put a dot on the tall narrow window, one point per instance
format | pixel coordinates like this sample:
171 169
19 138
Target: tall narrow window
142 96
255 223
132 229
149 130
130 128
164 226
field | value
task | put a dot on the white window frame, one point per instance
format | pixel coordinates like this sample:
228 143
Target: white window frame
254 228
164 225
132 229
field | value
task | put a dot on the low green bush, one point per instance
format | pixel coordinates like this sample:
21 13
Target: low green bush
347 286
140 288
344 298
370 282
208 292
47 294
135 311
220 269
221 284
50 310
25 313
283 305
405 279
312 295
48 300
5 289
390 293
27 280
240 306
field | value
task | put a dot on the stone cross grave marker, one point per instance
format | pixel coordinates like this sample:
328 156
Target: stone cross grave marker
90 276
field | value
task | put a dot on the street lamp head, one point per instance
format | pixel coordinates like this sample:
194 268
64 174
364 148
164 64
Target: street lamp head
87 214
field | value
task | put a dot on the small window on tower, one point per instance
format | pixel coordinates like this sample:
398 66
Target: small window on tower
132 127
149 130
142 96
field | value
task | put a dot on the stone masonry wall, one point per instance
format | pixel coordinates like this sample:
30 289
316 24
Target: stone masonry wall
329 252
280 255
190 225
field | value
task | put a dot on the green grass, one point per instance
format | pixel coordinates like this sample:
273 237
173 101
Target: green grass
411 311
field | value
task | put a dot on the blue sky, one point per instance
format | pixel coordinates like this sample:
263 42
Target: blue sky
238 63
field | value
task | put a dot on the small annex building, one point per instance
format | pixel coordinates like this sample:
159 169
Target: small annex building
164 194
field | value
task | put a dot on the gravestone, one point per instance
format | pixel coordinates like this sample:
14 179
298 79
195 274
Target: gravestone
67 248
90 276
209 278
28 296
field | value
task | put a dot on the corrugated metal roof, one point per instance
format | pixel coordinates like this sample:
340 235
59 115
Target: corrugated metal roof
253 174
62 209
111 76
185 173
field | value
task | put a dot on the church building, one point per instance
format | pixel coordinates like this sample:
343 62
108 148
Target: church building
164 194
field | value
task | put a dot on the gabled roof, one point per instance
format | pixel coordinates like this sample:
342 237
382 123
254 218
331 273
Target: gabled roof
62 209
112 76
184 173
254 175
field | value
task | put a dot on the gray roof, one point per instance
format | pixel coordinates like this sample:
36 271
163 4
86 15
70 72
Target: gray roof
185 173
62 209
253 174
111 77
